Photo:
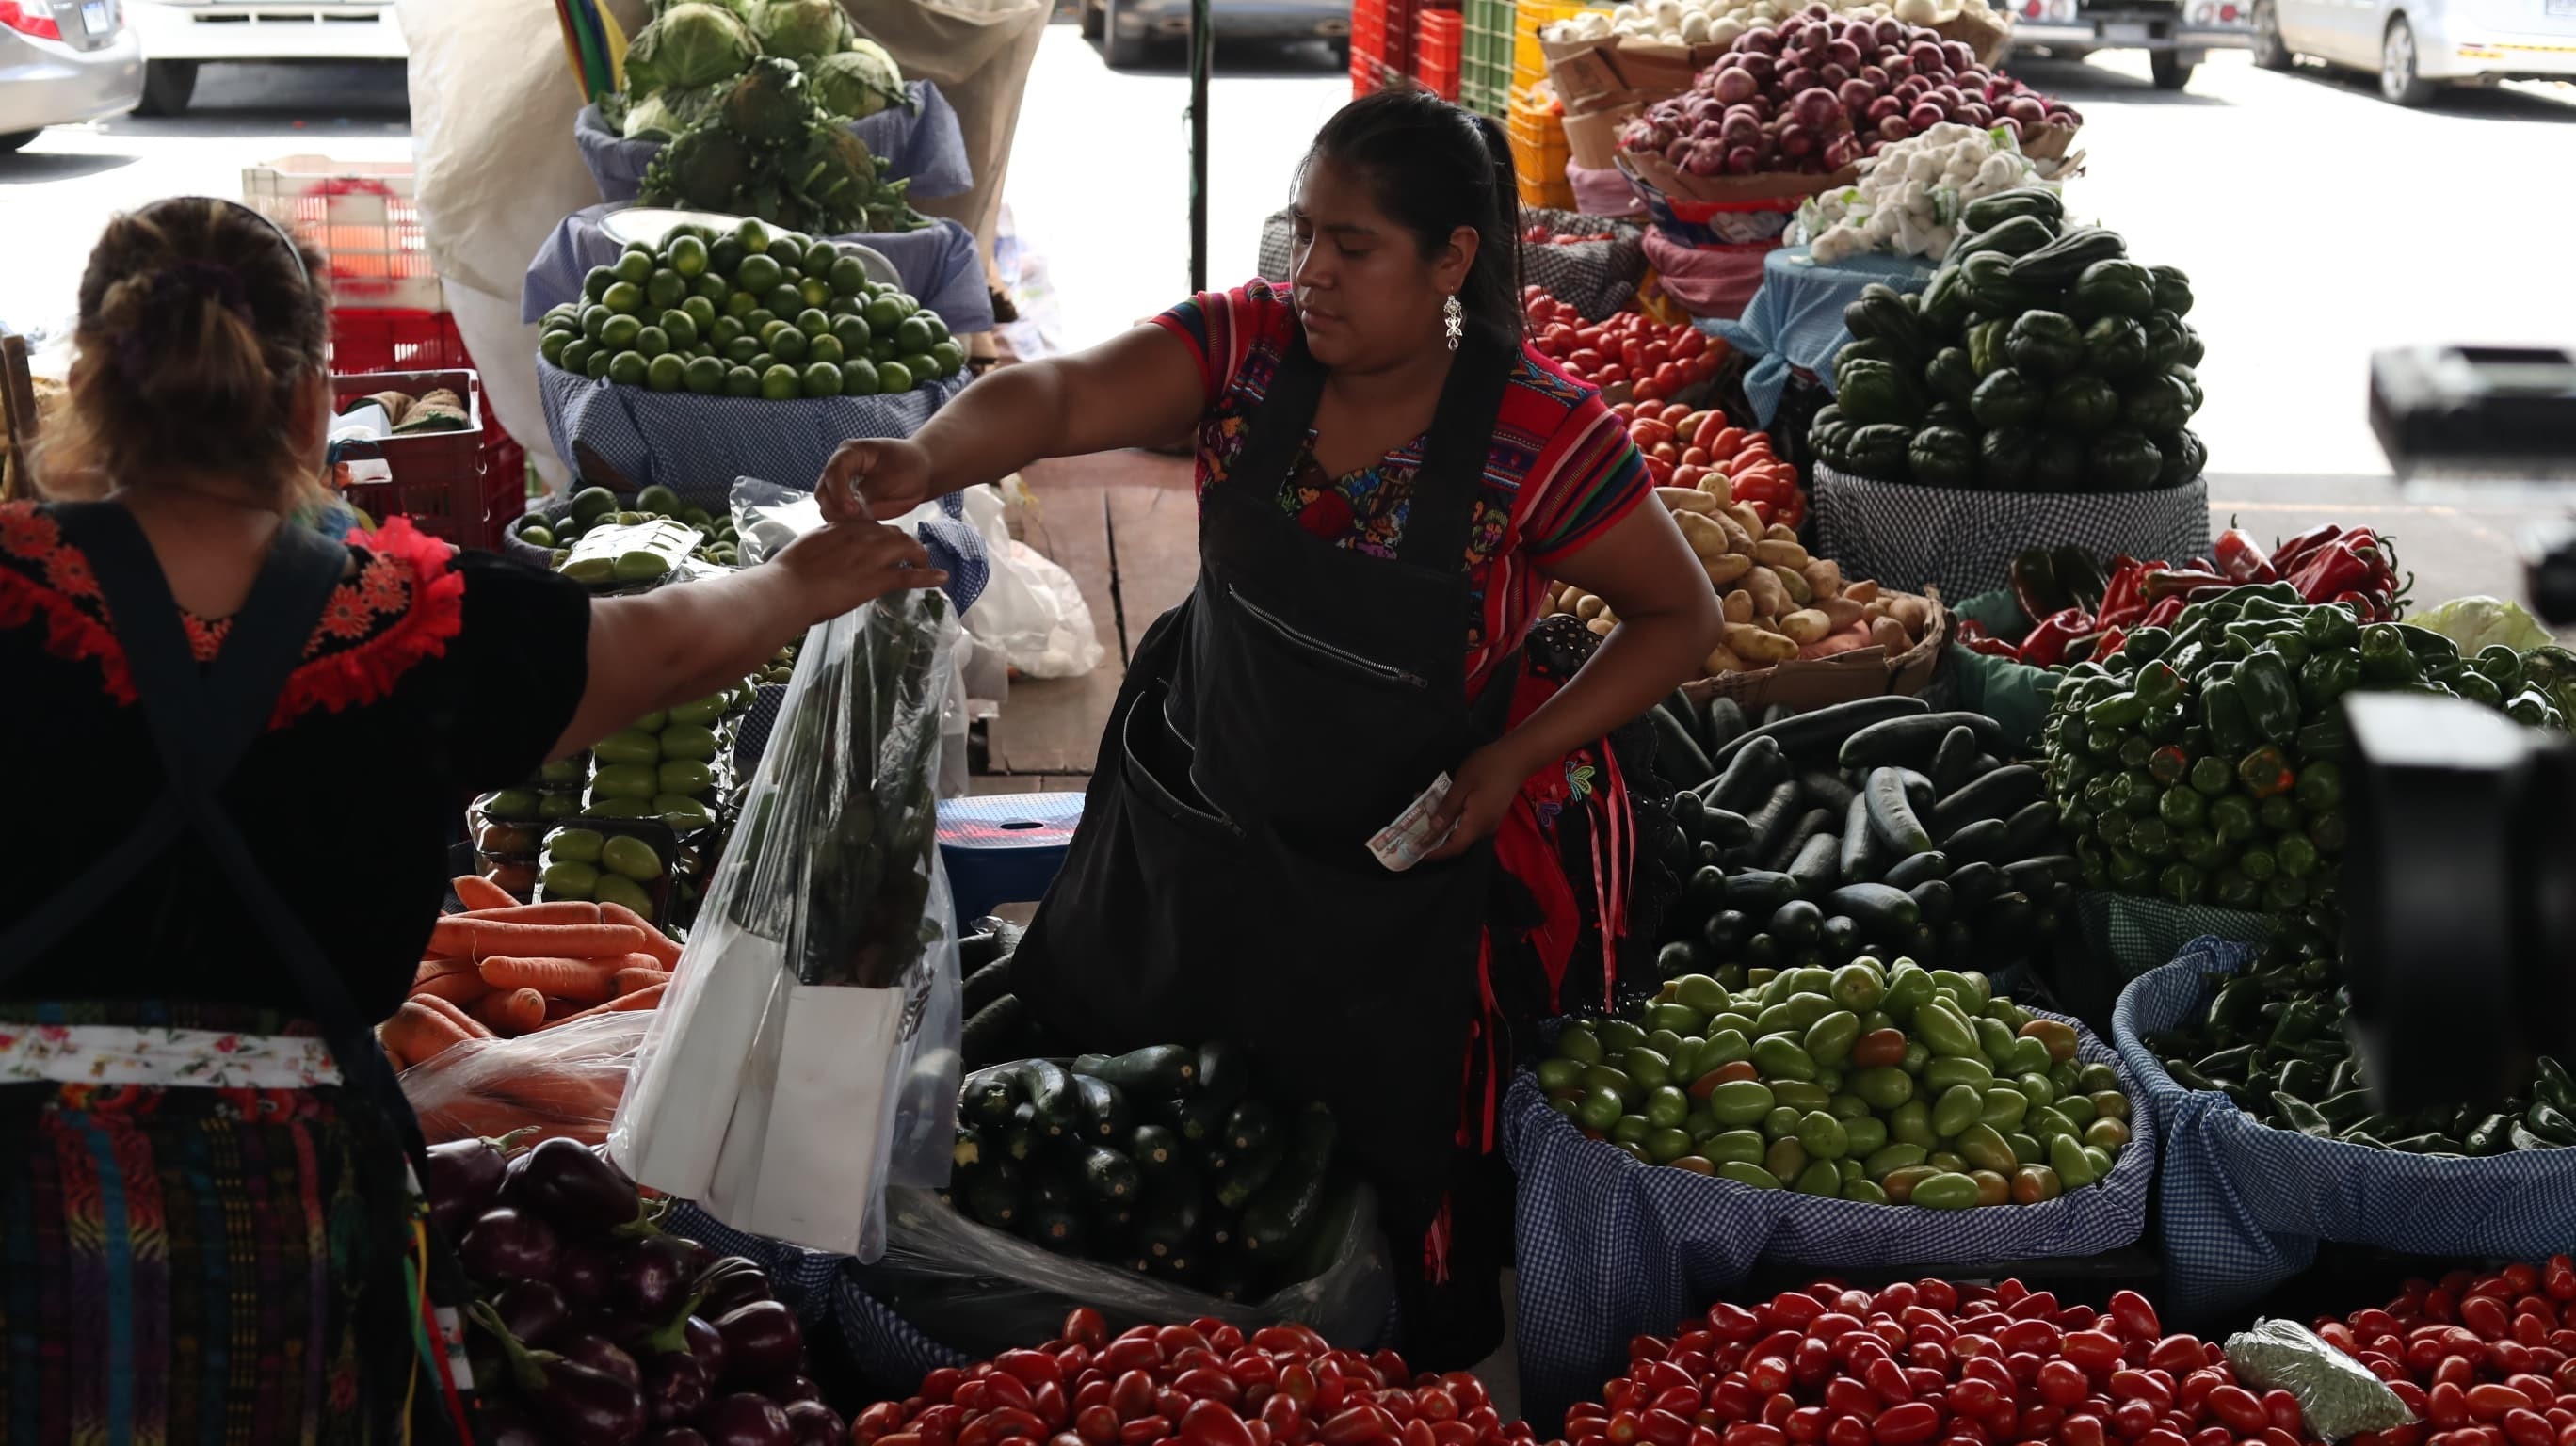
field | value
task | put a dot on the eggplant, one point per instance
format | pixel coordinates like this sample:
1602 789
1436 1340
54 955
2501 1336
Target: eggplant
534 1311
816 1424
598 1353
504 1424
649 1276
676 1388
795 1389
580 1405
461 1179
585 1273
509 1244
577 1189
730 1284
676 1436
743 1419
707 1344
762 1343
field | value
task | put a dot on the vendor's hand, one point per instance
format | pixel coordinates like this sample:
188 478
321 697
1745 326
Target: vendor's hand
844 564
891 475
1480 793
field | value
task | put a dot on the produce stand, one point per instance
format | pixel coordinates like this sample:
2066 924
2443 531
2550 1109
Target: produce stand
1794 326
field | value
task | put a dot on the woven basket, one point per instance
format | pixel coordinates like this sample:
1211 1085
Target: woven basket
1815 683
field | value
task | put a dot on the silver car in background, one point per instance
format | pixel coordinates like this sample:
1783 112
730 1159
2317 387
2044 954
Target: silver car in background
63 62
1129 29
2418 46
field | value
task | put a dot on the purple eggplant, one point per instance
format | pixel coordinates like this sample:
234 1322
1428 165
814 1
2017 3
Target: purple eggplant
731 1283
534 1311
584 1273
599 1354
676 1388
576 1189
707 1344
762 1343
580 1405
461 1179
504 1424
816 1424
650 1276
796 1388
744 1419
508 1244
676 1436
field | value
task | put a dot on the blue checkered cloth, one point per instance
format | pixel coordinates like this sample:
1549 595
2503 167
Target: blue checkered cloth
922 145
938 265
1796 318
1611 1248
2245 1204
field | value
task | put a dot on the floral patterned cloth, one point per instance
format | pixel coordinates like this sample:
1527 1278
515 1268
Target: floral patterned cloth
110 1054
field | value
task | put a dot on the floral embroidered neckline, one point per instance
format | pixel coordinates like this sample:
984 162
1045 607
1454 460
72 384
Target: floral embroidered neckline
401 603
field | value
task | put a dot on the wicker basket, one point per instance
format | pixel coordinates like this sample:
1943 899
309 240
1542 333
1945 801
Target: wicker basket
1861 673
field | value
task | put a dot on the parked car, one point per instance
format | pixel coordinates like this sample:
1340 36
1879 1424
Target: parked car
2176 34
63 62
1128 29
180 35
2417 46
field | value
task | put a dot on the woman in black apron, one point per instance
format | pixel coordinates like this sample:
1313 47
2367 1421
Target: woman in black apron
238 749
1354 636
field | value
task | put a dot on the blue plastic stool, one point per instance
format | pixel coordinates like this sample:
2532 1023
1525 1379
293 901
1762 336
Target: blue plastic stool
1004 848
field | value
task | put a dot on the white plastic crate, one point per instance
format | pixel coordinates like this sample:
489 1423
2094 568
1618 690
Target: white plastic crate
361 216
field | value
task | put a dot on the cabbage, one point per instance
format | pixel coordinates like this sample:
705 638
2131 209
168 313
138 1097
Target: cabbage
803 30
2476 622
688 45
667 113
860 81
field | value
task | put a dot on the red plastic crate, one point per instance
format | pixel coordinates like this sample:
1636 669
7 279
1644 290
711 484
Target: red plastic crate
1437 38
442 481
1398 55
365 341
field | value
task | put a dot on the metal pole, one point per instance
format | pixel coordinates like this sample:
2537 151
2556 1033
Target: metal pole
1202 57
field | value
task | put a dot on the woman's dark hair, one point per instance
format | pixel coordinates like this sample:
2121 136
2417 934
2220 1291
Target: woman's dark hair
199 320
1434 167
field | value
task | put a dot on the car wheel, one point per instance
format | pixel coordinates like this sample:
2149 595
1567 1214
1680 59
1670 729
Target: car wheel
1117 51
2168 70
167 87
15 141
2271 52
2399 81
1091 19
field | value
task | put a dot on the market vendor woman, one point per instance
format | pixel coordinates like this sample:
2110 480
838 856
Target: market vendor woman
1388 481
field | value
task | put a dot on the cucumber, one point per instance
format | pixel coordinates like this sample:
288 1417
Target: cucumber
1814 869
1243 1178
1972 884
1772 823
2032 831
988 1096
1104 1109
2036 876
1250 1127
1756 893
1749 775
1997 795
1815 823
1891 817
1932 900
1155 1069
1678 756
1911 871
1952 760
1724 828
1826 789
987 984
1285 1209
1110 1176
1821 731
1167 1226
1885 914
1225 1073
1860 854
1726 723
992 1035
1982 841
1913 739
1052 1102
1154 1148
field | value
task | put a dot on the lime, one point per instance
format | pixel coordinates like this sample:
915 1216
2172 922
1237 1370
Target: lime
757 275
757 319
740 303
912 335
712 287
594 320
706 376
666 287
853 333
595 283
551 347
781 384
894 376
884 314
566 317
784 299
665 373
772 329
859 377
688 256
652 341
848 275
813 322
788 249
820 258
681 329
753 236
701 311
643 247
723 329
815 290
742 348
824 348
920 365
938 328
823 379
881 349
788 345
950 356
701 349
740 381
761 363
634 266
791 274
625 298
724 254
627 368
619 333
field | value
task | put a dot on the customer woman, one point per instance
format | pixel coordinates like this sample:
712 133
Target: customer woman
234 751
1388 480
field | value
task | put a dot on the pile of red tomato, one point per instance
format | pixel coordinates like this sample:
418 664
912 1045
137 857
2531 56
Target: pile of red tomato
1685 448
1657 361
2481 1360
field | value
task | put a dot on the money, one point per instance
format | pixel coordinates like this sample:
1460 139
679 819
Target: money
1402 844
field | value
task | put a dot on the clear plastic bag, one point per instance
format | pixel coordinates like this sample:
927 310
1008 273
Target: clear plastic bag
1031 611
2338 1395
807 1054
564 1080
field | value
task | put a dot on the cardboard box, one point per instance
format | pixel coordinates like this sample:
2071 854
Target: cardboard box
1587 73
1986 32
1593 136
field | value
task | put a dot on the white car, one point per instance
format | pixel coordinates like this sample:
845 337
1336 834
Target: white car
180 35
2416 46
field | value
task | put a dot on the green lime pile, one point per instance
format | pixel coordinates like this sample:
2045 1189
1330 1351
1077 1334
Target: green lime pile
748 313
599 507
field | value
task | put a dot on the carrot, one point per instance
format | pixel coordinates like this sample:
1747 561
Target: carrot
453 1014
452 936
478 892
555 941
557 911
628 981
459 988
556 978
418 1034
513 1013
656 943
649 997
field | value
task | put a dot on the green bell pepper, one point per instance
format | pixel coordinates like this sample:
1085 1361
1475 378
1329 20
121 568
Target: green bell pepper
2231 730
2386 661
2330 627
2271 699
2265 772
2211 775
2320 786
2328 674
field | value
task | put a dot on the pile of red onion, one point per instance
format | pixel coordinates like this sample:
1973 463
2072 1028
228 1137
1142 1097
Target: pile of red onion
1819 91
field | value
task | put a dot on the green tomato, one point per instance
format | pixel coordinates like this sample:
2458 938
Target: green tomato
784 299
739 304
551 347
757 274
825 348
618 333
859 378
884 314
780 383
912 336
595 283
627 368
652 341
848 274
711 288
787 344
853 334
679 329
813 322
700 310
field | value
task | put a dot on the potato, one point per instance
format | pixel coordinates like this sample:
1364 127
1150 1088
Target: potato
1703 534
1841 611
1759 645
1737 606
1602 625
1727 568
1874 608
1914 612
1770 599
1806 625
1724 661
1794 583
1825 576
1737 539
1774 553
1687 499
1748 519
1588 607
1779 532
1862 591
1890 634
1718 488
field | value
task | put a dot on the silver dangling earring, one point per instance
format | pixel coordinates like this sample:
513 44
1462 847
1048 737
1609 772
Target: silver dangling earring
1454 317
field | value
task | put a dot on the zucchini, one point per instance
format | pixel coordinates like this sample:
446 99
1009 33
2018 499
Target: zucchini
1687 813
1242 1178
1931 900
1154 1148
1996 795
2032 831
996 1196
1168 1225
1815 823
1225 1072
967 1155
1104 1109
1726 829
1726 723
1199 1119
1285 1209
1110 1176
988 1096
985 985
1053 1106
1982 841
1679 760
1333 1236
1771 824
1250 1127
1756 764
1891 817
1861 854
1907 872
1814 868
1020 1140
1826 789
1822 730
1972 884
1756 893
2036 876
993 1033
1155 1069
1886 915
1913 739
1056 1218
1952 760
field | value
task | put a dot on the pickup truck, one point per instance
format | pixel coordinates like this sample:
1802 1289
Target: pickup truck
2176 34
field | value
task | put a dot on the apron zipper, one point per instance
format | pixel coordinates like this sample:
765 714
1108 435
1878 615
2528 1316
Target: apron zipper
1314 644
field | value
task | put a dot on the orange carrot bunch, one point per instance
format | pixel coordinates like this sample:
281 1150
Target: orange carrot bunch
502 969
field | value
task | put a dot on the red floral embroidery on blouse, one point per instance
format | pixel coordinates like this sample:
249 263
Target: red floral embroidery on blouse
402 604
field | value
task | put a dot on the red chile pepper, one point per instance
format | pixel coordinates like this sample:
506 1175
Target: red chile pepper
2162 615
2241 557
2287 555
2046 645
2165 582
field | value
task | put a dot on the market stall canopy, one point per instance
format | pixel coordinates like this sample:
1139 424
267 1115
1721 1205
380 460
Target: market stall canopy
978 53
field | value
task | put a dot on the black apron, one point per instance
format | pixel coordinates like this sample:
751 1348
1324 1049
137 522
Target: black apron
202 721
1220 885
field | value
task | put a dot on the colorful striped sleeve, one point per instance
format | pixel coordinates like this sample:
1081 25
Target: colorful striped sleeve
1589 478
1221 328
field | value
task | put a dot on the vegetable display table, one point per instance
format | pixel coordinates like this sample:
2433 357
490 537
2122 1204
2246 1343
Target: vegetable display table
923 145
1796 320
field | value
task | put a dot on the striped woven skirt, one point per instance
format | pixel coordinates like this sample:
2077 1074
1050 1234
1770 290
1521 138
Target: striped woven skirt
201 1235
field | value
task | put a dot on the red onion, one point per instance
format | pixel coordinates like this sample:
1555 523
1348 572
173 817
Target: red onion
1897 66
1948 95
2013 125
1832 76
1739 129
2026 109
1734 85
1681 150
1856 95
1958 54
1926 114
1885 106
1894 129
2063 117
1820 11
1816 108
1705 158
1815 37
1760 40
1877 79
1760 66
1913 88
1976 113
1741 160
1844 54
1927 58
1888 30
1797 79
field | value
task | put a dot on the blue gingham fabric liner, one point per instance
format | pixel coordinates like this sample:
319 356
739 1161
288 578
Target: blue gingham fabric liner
923 145
1796 317
888 1354
1964 539
2245 1204
938 263
1610 1247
